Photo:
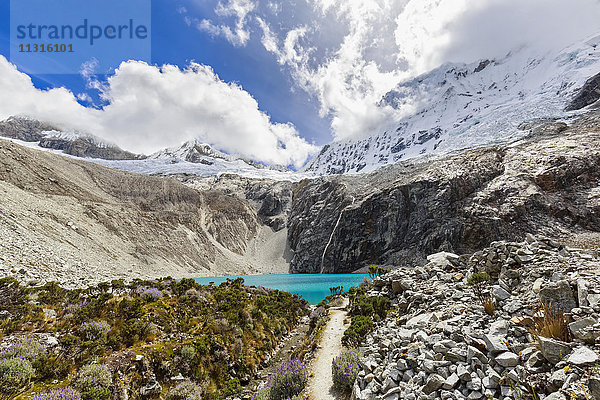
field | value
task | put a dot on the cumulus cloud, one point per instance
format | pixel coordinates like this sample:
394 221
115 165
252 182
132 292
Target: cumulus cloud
495 27
149 108
237 35
382 43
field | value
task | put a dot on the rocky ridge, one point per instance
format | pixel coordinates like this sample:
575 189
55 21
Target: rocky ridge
72 143
546 183
458 106
79 223
441 344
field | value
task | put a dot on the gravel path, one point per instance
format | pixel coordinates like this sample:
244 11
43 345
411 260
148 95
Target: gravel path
320 385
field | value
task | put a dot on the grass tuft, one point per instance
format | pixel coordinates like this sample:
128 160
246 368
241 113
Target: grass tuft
551 322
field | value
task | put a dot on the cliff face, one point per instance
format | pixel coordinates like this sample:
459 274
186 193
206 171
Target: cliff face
78 222
546 183
70 218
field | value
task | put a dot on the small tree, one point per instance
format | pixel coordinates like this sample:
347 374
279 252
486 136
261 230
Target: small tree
376 271
480 281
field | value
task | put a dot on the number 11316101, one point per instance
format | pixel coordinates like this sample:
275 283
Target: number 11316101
45 48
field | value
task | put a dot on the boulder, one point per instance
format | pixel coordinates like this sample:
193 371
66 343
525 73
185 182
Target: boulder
583 329
508 359
434 382
583 356
553 350
593 385
559 295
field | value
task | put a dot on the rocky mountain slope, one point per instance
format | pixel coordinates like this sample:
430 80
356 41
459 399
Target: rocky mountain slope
546 183
71 143
463 105
192 157
66 216
77 222
440 344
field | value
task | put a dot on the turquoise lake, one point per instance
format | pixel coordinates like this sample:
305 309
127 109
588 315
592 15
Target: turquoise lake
312 287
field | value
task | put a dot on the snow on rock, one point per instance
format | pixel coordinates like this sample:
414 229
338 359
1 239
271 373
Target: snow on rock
463 105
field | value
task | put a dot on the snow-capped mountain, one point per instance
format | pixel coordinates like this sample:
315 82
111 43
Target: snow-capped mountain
197 152
69 142
463 105
193 157
192 151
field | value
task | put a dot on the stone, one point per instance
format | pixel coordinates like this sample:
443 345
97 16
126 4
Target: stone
397 287
178 378
581 329
536 360
593 385
463 373
473 352
495 343
559 295
582 292
513 306
52 341
475 383
489 383
553 350
406 334
434 382
556 396
49 313
593 299
558 378
499 328
451 382
537 285
151 388
507 359
524 258
499 293
583 356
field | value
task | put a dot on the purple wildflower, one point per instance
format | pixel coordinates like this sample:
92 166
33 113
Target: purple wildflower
345 368
150 294
58 394
94 330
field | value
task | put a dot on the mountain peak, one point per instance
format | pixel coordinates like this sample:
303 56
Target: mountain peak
458 105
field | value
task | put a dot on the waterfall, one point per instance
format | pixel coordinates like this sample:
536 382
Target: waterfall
333 233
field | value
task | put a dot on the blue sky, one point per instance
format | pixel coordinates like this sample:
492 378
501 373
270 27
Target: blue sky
174 42
275 80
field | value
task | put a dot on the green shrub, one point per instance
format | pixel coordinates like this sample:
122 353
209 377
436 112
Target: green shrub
479 282
232 386
376 271
288 380
93 381
187 390
15 374
360 326
345 369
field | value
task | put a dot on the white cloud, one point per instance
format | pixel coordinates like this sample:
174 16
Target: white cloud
149 108
237 35
384 42
269 40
